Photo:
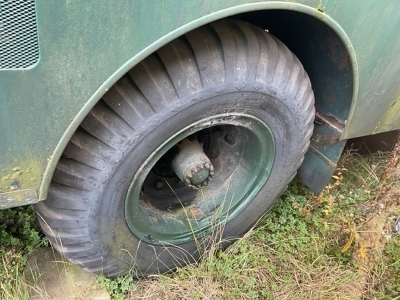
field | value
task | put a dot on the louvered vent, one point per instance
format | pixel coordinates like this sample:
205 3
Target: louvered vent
19 46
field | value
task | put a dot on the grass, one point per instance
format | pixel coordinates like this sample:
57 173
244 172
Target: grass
341 244
19 235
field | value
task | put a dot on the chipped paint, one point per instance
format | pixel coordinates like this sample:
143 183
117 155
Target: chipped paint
18 198
329 120
23 175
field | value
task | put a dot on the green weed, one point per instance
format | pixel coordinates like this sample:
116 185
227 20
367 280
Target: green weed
118 287
19 235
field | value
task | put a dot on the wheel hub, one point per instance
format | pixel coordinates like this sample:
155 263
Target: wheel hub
191 164
161 209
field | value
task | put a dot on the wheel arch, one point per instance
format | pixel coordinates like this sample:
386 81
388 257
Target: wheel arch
314 18
329 59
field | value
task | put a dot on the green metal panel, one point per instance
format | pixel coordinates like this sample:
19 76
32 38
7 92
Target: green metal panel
85 46
373 29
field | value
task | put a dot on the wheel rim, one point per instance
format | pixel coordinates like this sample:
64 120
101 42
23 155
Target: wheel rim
160 209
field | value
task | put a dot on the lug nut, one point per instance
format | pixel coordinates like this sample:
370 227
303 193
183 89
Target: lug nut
230 139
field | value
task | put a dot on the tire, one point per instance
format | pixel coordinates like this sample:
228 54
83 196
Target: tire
118 203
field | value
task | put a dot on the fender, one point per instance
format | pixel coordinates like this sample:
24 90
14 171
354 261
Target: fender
33 192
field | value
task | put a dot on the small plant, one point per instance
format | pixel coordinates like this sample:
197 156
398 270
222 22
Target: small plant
19 235
119 287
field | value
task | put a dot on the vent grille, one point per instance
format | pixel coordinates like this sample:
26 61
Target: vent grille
19 46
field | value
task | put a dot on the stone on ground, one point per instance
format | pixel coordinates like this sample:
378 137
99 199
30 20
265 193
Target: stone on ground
48 276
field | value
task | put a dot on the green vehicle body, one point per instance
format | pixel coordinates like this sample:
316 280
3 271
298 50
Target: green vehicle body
350 49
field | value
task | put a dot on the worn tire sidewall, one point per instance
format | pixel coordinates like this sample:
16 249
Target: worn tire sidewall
107 220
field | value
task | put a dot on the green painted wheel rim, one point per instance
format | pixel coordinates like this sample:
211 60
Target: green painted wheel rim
246 151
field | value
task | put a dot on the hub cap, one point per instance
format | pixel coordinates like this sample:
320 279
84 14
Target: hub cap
191 164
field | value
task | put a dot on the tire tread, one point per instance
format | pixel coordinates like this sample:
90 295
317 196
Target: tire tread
221 53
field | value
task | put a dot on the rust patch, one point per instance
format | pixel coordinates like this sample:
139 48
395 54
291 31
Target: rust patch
332 139
153 219
329 120
339 56
331 99
330 43
195 212
344 60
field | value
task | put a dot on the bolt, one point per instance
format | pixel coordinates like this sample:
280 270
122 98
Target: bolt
230 139
211 173
207 165
190 175
218 133
159 184
187 180
211 168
